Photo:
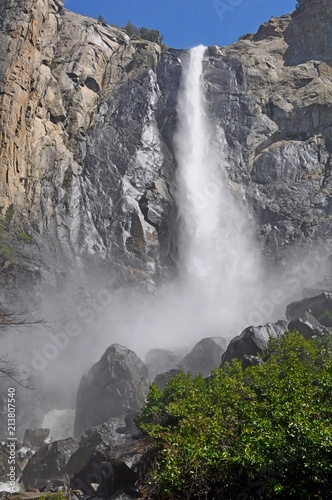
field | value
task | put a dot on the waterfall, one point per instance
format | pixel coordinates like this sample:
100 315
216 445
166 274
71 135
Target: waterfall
60 423
218 256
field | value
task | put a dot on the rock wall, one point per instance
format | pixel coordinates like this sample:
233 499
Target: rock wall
87 119
84 169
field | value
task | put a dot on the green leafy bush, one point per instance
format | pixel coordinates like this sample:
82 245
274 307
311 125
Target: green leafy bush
263 432
24 237
55 496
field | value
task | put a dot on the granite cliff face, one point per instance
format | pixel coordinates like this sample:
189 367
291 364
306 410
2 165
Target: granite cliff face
87 121
84 169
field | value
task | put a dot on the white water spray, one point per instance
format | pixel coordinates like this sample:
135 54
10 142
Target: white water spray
218 255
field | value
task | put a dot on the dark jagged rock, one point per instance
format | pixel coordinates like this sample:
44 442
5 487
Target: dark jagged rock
319 306
116 383
251 361
307 328
106 463
48 464
35 438
205 356
162 378
253 340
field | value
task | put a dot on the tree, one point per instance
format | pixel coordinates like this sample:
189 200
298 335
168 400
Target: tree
9 319
131 30
263 432
143 33
101 20
151 35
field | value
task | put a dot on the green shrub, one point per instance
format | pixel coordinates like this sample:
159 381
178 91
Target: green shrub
24 237
260 433
54 496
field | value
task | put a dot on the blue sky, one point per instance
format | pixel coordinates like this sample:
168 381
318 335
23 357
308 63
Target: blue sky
186 23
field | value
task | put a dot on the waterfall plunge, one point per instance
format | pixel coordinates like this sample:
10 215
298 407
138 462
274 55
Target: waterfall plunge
219 278
218 256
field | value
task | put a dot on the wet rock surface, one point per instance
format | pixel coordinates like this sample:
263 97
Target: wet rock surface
106 462
248 361
117 383
48 464
162 378
310 317
319 306
34 438
253 340
205 356
308 328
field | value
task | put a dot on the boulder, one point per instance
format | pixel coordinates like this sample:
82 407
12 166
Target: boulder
161 360
253 340
162 378
22 456
308 328
116 383
35 438
319 306
106 463
48 464
114 431
205 356
251 361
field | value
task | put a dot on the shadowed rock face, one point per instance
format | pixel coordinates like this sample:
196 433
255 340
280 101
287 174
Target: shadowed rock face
107 461
34 438
48 463
117 383
87 119
319 306
204 357
253 341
